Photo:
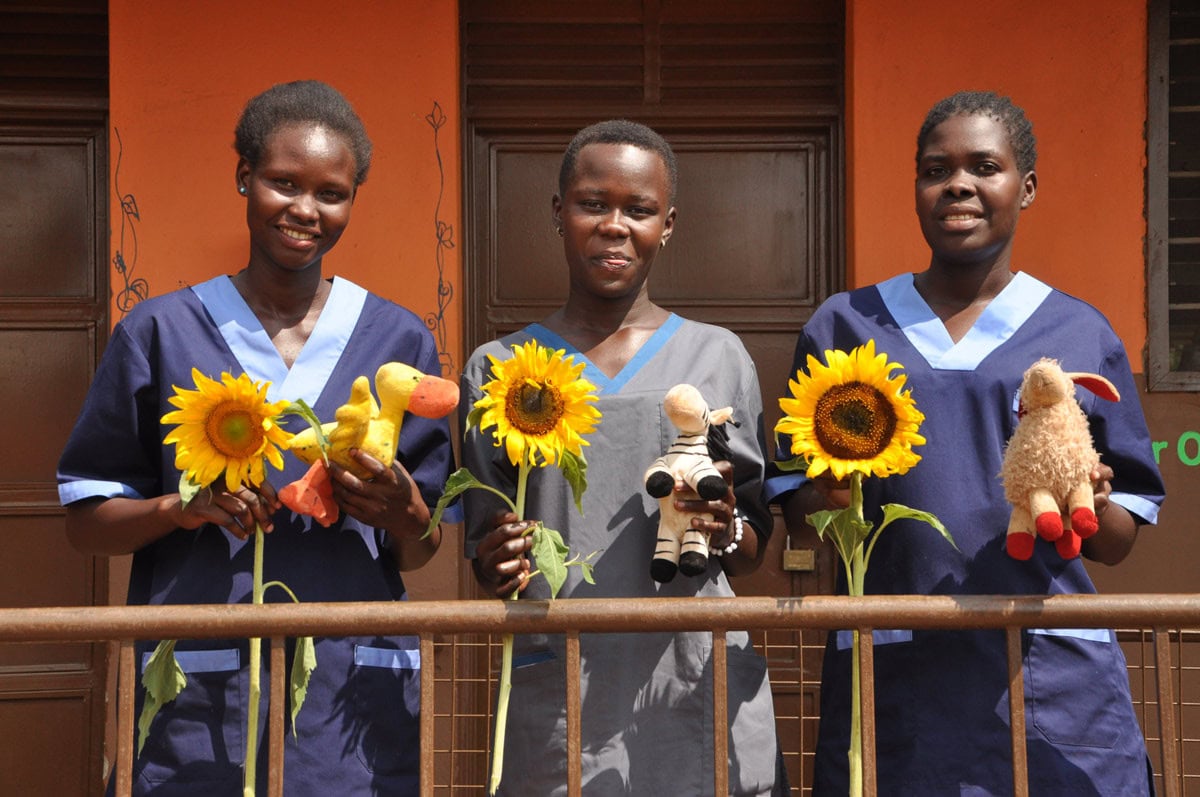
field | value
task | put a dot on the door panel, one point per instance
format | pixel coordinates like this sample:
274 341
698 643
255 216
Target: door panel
51 320
53 323
53 176
43 730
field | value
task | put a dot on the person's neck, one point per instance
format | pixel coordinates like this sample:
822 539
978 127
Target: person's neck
599 318
959 285
279 295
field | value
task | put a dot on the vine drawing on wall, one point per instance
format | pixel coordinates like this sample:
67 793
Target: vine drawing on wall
444 239
133 290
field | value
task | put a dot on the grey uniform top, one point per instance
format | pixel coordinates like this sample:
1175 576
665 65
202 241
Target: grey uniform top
647 698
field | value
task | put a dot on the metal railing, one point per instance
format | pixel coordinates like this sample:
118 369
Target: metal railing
127 624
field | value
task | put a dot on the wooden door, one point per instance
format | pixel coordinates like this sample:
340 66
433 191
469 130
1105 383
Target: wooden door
749 95
53 323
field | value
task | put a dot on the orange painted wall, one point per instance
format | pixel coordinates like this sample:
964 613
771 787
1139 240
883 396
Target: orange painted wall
1077 67
179 76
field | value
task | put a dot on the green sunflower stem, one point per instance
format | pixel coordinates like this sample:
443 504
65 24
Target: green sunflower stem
502 710
507 655
856 582
250 766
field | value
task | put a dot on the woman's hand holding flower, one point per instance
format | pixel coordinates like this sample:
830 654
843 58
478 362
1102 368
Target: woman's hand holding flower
237 512
501 560
835 493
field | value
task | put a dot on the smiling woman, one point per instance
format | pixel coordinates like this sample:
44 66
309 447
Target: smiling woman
302 154
643 701
298 195
970 325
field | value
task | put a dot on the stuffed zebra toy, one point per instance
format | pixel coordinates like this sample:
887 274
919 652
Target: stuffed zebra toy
688 460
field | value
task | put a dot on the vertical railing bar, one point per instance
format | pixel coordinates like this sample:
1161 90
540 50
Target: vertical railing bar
126 730
1167 732
1016 711
428 700
275 703
574 718
720 712
866 695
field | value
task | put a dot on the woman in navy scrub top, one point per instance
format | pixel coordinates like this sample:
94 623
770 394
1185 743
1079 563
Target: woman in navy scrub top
965 330
302 154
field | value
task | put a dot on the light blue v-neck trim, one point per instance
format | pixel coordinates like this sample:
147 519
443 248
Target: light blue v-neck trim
1003 316
258 356
603 383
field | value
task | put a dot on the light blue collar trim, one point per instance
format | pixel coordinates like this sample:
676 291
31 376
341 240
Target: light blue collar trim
603 383
1003 316
249 342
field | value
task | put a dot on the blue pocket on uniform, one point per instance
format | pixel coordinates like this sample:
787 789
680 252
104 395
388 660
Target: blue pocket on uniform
387 689
1075 696
202 731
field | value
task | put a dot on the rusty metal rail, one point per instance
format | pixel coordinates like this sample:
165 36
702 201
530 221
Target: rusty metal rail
126 624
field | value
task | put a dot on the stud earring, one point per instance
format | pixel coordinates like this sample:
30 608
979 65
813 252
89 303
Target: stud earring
242 190
561 232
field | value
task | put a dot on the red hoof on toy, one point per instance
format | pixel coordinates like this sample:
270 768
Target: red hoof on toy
1068 545
1084 522
1020 546
1049 526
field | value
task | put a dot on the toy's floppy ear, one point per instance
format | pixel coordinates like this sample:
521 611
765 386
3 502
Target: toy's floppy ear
718 417
1097 384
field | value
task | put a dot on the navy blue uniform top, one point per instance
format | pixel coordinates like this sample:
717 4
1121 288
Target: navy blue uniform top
358 726
941 697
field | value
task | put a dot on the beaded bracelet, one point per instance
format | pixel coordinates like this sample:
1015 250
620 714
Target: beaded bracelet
738 532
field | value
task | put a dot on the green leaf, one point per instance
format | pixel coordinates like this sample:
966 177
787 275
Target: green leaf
795 464
550 554
188 489
473 418
304 661
847 531
163 680
897 511
586 569
459 482
574 470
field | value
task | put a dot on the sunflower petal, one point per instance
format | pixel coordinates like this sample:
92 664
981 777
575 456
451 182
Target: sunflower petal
850 415
225 427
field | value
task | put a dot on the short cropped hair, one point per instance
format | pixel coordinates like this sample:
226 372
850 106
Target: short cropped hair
986 103
301 101
619 131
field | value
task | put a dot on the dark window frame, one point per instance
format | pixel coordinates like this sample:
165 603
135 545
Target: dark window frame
1170 366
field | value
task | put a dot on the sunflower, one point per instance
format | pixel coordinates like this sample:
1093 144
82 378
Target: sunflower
850 416
227 426
539 405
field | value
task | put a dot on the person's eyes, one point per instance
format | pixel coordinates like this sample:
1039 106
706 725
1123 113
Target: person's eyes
333 197
988 167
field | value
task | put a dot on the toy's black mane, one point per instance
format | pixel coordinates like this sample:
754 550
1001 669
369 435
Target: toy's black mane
718 443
